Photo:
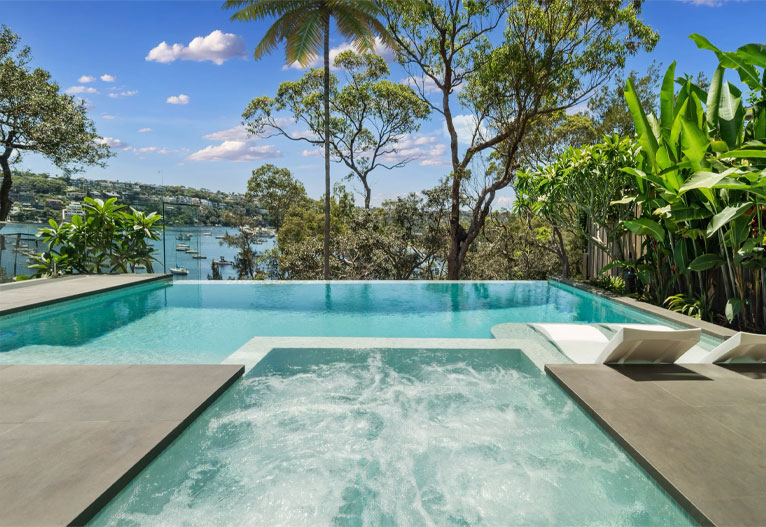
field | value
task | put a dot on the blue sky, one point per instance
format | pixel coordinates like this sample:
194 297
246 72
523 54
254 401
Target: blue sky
111 54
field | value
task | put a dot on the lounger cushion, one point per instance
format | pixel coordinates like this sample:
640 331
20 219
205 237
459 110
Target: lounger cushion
581 343
642 346
742 347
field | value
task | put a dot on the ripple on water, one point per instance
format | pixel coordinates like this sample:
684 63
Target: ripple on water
393 437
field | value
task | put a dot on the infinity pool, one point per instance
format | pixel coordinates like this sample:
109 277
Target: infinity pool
393 437
204 322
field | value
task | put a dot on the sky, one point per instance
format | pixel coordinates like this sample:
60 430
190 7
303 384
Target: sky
166 84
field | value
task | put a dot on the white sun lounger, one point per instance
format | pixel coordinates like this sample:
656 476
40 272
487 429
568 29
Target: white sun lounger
586 344
742 347
632 345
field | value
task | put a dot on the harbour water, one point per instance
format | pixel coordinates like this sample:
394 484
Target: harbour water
15 263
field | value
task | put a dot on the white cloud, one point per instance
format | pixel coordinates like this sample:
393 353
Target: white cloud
127 93
235 151
503 202
144 130
85 79
107 116
424 85
465 125
178 99
156 150
115 143
425 149
80 89
217 47
380 48
235 133
108 78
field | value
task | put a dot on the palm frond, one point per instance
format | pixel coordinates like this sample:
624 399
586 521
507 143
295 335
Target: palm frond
279 31
360 26
304 43
249 10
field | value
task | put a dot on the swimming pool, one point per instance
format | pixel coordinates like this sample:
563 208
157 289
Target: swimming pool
204 322
387 437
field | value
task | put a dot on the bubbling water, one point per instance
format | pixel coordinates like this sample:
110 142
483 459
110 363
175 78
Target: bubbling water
393 437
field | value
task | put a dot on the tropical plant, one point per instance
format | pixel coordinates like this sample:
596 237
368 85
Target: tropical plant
35 117
701 188
304 26
696 306
106 238
578 193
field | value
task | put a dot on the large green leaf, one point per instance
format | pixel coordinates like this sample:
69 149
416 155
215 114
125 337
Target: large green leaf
667 100
706 261
694 144
704 179
733 307
645 226
747 73
644 131
713 98
745 153
731 115
754 54
725 216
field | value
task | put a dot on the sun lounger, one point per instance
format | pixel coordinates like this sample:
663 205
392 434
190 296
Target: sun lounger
642 346
586 344
742 347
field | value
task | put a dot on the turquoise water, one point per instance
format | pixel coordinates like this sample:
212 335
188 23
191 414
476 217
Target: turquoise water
204 322
390 437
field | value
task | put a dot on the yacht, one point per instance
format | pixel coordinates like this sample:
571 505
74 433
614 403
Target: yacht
181 271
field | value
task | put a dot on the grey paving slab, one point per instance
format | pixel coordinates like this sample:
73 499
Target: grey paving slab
698 429
72 436
15 297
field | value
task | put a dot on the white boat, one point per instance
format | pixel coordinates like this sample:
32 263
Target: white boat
182 271
207 234
191 251
182 247
219 237
199 257
139 266
222 261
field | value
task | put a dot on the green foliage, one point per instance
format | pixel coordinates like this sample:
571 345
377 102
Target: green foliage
549 56
35 117
701 188
698 306
276 190
105 239
581 189
615 284
369 114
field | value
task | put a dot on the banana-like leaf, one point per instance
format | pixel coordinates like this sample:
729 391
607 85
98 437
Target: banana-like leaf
747 73
666 100
727 215
731 115
645 226
703 179
694 144
713 98
644 131
679 255
754 54
706 261
746 153
733 307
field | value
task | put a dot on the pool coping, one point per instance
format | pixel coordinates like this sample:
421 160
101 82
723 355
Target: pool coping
708 328
694 428
91 430
113 282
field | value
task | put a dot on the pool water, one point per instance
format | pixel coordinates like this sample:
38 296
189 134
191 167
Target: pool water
204 322
389 437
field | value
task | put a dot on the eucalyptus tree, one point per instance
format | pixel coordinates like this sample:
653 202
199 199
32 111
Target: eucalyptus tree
35 117
370 115
276 190
492 68
304 26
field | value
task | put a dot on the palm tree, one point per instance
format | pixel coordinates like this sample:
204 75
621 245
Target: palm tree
304 25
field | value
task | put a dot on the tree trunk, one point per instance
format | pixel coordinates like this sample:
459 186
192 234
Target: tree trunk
5 188
326 248
367 193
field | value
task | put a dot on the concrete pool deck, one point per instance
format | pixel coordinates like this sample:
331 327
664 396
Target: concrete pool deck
71 437
30 294
698 429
